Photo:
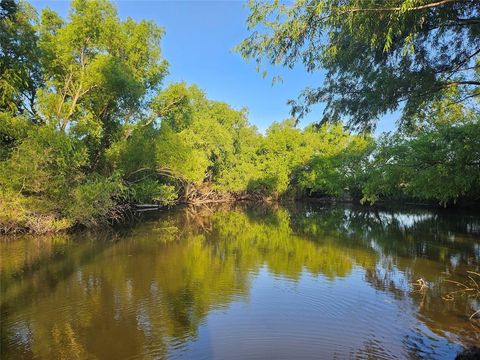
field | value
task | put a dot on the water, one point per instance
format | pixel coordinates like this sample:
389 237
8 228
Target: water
249 282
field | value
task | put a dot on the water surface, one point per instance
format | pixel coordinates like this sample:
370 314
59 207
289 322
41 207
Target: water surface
250 282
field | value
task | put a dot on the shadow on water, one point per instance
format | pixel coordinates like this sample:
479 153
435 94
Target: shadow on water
252 281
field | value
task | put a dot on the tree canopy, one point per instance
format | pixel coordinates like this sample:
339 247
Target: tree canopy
378 56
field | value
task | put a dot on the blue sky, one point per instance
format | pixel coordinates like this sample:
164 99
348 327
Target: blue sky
198 45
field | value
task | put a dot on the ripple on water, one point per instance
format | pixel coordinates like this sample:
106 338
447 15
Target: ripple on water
303 321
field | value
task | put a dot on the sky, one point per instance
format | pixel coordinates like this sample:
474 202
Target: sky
198 43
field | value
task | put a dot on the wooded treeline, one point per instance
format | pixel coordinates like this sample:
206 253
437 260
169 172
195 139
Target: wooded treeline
87 130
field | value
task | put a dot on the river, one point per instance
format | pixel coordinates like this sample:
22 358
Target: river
247 282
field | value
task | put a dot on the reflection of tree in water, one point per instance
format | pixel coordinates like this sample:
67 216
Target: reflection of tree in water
152 288
273 243
409 245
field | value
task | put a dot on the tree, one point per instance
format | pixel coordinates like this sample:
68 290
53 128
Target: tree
283 148
202 140
379 56
70 91
441 164
20 72
176 105
98 72
339 164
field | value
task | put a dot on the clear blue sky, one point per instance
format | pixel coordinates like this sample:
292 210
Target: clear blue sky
198 45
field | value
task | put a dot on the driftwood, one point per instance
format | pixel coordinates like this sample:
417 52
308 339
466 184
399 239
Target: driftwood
204 194
146 206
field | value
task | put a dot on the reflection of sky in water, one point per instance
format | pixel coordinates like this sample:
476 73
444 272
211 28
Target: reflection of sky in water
315 315
22 334
406 220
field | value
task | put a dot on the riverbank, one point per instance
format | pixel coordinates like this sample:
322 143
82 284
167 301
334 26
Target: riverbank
21 220
35 215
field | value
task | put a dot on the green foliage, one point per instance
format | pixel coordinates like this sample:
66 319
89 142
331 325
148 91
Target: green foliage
13 129
282 149
379 56
176 155
47 162
37 180
134 152
95 200
242 165
20 72
340 167
203 140
176 105
148 190
72 92
98 71
442 164
326 160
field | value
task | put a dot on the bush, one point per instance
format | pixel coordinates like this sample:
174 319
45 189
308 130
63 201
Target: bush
151 190
441 164
97 200
47 162
20 213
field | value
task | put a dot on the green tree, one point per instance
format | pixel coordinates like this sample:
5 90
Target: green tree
72 91
283 148
442 164
339 165
20 71
202 140
98 71
379 56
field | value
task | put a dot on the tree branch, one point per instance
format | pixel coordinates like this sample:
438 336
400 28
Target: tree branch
420 7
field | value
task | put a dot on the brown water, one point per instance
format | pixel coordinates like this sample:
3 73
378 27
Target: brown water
251 282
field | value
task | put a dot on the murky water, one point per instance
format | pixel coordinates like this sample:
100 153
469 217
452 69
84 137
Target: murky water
251 282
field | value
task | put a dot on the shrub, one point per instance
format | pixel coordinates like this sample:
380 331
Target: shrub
97 200
151 190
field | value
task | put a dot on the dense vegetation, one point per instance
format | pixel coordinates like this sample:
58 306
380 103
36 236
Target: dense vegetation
86 129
